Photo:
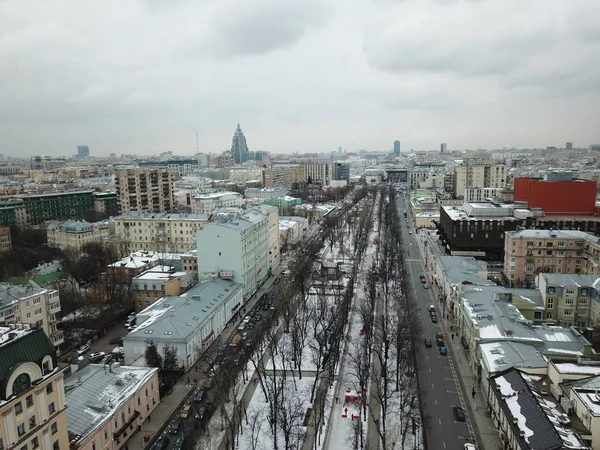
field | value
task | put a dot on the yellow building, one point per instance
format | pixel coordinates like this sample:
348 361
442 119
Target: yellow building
33 410
75 234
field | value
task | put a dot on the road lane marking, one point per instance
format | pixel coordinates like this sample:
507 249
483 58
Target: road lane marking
440 421
435 402
432 386
444 442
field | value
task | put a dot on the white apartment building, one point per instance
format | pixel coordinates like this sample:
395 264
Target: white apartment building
144 190
235 247
242 176
291 230
272 213
425 179
33 306
166 233
321 172
478 173
265 193
207 203
72 235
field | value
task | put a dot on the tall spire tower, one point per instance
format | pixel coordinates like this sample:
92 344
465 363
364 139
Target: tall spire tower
239 148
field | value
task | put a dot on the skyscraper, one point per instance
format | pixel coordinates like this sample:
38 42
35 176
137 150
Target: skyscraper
443 148
239 149
396 148
83 151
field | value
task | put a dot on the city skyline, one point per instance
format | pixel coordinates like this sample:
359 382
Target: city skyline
142 77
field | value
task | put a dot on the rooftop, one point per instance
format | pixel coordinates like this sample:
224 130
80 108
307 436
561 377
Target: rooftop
94 393
500 356
567 280
175 318
475 211
136 260
77 226
10 294
550 234
162 216
215 195
463 270
159 273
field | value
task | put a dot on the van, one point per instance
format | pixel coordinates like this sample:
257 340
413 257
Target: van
236 340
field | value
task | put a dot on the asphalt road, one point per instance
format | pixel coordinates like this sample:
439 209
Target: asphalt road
439 391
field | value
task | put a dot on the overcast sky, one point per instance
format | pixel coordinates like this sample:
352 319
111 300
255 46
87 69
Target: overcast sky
129 76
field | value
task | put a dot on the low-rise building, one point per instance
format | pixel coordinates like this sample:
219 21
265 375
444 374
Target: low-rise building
108 404
427 219
124 270
32 394
73 235
189 262
265 193
189 322
207 203
158 282
285 203
167 233
33 306
291 230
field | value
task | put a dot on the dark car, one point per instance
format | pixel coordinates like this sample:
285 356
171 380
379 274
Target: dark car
427 342
200 413
210 398
459 414
443 350
434 318
116 341
199 396
439 341
174 426
422 278
162 443
178 444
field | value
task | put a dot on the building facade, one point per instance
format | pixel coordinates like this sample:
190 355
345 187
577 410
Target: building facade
265 193
33 306
158 282
272 214
283 175
530 252
105 203
73 235
33 405
425 179
239 148
5 240
478 173
83 152
319 172
167 233
149 190
207 203
236 247
124 270
396 148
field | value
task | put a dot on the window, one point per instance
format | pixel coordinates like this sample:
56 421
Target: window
29 401
21 429
21 383
54 428
18 408
538 315
568 312
56 445
561 244
32 423
582 311
550 304
569 291
35 443
49 388
51 409
105 434
584 291
94 445
569 301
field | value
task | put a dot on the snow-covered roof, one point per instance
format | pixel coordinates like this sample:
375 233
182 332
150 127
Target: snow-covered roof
503 355
577 369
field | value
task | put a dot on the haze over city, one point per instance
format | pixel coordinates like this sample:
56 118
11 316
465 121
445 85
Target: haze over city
143 77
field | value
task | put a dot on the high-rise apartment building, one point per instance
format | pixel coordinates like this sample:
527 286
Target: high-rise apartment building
444 148
83 151
144 190
33 306
396 148
32 394
569 146
478 173
320 172
239 148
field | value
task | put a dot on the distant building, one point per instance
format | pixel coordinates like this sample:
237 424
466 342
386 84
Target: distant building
239 148
144 190
265 193
291 230
83 152
108 404
594 148
285 176
444 148
105 203
207 203
74 235
33 306
5 240
32 393
478 173
569 146
396 148
342 171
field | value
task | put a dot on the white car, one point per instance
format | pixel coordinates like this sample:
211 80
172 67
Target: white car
470 447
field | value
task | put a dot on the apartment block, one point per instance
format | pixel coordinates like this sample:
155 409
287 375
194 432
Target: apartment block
107 405
73 235
319 172
235 247
148 190
478 173
243 176
5 240
592 258
207 203
570 299
272 214
529 252
32 395
105 203
167 233
158 282
284 176
425 179
265 193
33 306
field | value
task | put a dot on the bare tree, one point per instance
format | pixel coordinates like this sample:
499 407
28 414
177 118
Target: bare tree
290 414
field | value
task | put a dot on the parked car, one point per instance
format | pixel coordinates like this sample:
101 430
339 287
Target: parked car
439 341
443 350
200 412
162 443
84 349
96 357
434 318
427 342
426 286
199 396
470 447
459 414
430 308
178 444
174 426
422 278
185 411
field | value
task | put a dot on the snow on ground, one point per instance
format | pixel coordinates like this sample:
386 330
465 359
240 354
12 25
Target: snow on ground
256 430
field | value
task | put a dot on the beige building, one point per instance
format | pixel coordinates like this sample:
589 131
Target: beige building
33 409
530 252
33 306
73 235
284 176
107 405
272 213
158 282
167 233
207 203
189 262
5 240
425 179
592 252
427 219
478 173
144 190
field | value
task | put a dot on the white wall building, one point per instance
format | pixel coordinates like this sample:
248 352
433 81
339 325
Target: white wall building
265 193
291 230
236 247
207 203
272 213
478 173
75 234
189 322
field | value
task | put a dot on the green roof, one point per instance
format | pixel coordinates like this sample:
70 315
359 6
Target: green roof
49 279
30 347
19 281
